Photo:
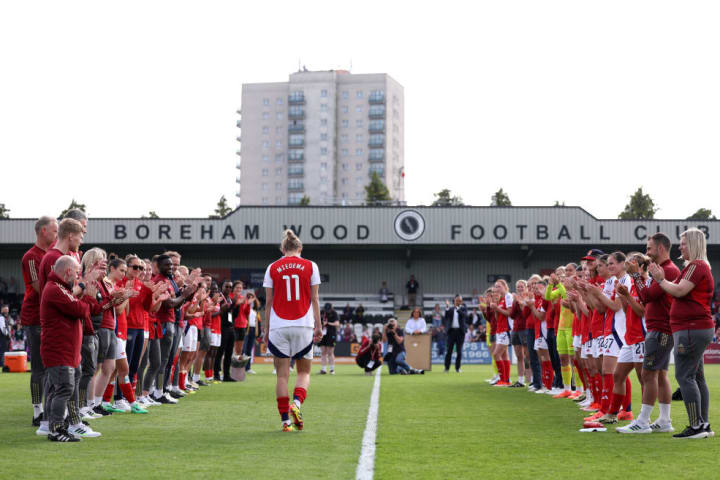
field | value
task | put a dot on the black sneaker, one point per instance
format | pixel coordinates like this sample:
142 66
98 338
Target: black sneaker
162 399
36 420
516 385
708 430
199 382
323 372
175 394
691 432
62 435
98 409
677 395
229 379
217 379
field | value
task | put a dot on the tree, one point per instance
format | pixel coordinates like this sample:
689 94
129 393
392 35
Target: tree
640 207
73 204
305 200
4 212
500 199
444 198
376 193
222 209
151 214
702 214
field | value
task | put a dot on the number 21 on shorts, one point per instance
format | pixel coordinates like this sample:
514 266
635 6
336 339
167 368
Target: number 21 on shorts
288 287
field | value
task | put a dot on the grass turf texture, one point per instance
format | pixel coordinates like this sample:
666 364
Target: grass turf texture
432 426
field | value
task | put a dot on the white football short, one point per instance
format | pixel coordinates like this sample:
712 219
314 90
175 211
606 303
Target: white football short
586 350
190 339
632 353
502 338
577 342
120 349
295 342
541 344
215 339
611 348
597 347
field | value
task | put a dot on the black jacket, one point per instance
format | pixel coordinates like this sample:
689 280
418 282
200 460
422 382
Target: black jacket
464 318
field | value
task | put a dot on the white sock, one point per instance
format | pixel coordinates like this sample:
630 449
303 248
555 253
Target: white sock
297 403
196 377
98 400
645 412
44 423
567 387
664 413
37 409
323 369
332 366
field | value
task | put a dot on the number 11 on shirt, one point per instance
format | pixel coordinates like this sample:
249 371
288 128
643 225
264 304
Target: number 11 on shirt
287 286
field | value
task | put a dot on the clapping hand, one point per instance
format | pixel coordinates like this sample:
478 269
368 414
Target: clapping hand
622 290
656 272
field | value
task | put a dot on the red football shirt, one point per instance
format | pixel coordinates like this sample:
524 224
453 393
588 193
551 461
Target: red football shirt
46 265
30 312
291 279
657 302
635 332
692 312
139 305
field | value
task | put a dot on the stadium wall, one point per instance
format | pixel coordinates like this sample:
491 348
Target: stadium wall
448 249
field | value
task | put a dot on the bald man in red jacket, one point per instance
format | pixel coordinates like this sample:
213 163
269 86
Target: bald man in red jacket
64 306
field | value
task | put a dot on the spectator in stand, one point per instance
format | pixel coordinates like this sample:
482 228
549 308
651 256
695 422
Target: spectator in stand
359 313
347 314
4 332
384 292
254 320
416 323
412 289
369 357
347 332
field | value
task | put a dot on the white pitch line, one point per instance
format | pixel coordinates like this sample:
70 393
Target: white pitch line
366 462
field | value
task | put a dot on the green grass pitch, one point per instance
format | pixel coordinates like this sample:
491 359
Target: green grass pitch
436 426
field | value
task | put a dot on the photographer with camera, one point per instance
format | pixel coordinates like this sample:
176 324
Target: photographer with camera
395 356
369 356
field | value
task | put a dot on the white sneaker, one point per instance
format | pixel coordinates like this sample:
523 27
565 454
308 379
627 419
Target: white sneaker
661 427
531 388
332 372
177 391
169 398
122 405
43 430
542 390
274 371
555 391
490 380
634 427
83 431
85 414
251 372
149 402
585 403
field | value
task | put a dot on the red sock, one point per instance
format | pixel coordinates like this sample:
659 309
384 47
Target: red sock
627 400
508 368
283 404
606 392
134 382
300 394
109 390
127 391
183 379
615 402
208 374
597 388
547 374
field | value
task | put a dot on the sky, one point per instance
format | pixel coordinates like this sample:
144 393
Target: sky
131 106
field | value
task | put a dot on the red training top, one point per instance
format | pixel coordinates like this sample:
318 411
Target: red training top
692 312
30 312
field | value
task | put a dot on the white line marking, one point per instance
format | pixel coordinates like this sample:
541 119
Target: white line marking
366 462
